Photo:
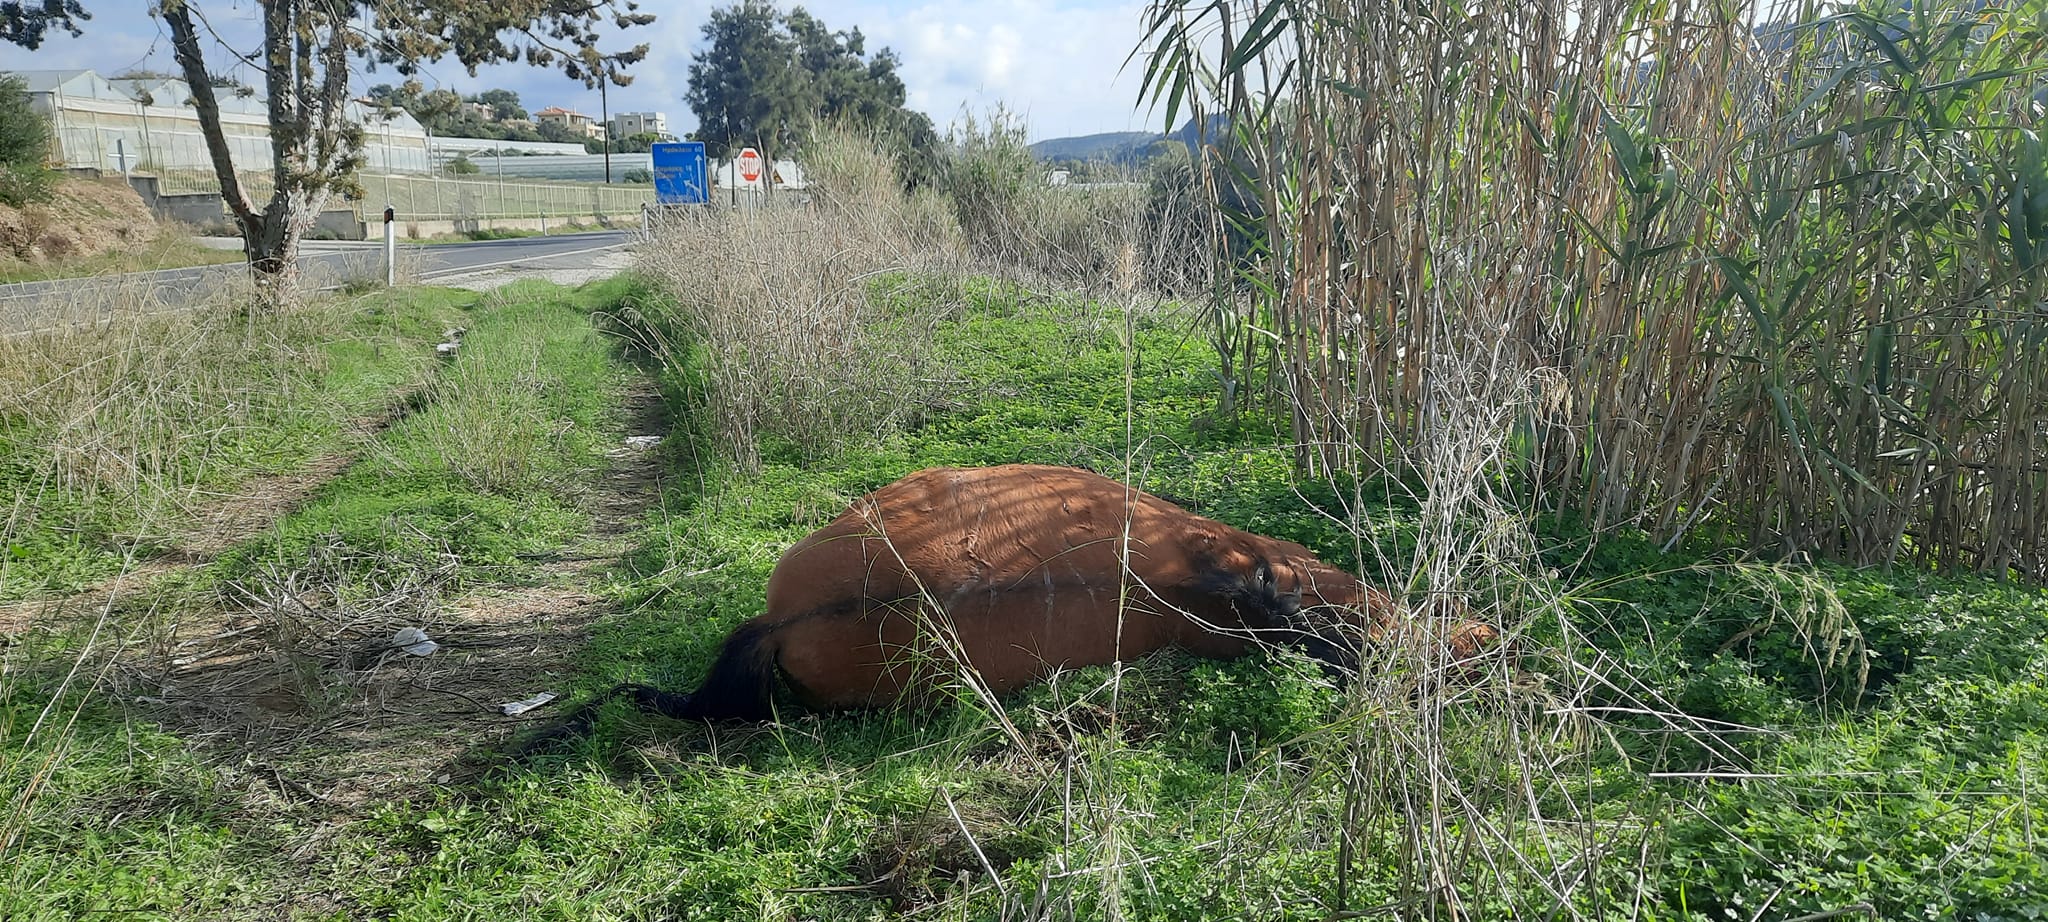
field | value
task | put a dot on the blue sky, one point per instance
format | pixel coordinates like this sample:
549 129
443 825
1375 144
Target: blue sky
1057 63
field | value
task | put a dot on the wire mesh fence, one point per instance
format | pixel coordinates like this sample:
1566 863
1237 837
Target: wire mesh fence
445 197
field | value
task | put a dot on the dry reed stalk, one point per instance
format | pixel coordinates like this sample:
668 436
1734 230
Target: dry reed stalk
1780 272
1645 261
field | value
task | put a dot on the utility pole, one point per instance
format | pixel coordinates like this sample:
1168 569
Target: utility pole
604 114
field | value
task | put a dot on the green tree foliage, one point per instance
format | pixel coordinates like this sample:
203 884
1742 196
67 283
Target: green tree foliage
24 22
635 144
557 132
749 87
769 79
446 113
504 104
307 52
461 166
24 145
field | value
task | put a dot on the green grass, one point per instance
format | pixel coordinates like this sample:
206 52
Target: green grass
170 251
114 437
1919 795
1911 797
491 467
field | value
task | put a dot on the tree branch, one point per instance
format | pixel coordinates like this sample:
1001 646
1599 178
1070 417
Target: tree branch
185 48
334 93
285 130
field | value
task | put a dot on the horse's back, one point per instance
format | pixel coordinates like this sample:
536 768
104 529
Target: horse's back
1021 568
945 534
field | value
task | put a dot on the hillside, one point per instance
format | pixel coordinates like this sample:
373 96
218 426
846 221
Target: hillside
84 217
1127 148
1114 145
93 227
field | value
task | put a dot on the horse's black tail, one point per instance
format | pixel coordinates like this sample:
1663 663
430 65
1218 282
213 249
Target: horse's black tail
740 686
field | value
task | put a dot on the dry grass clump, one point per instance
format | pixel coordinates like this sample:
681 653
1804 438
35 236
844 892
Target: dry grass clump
1089 238
312 642
114 429
127 405
780 309
84 217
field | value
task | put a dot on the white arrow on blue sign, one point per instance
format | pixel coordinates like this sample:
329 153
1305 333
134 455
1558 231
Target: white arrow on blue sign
680 173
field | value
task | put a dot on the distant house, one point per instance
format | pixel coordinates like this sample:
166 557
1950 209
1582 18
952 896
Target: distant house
147 124
628 124
483 112
578 124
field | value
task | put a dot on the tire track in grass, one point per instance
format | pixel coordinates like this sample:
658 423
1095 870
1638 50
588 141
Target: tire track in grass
275 689
483 521
222 520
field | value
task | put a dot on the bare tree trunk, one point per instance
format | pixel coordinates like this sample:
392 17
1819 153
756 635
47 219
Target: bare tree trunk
306 79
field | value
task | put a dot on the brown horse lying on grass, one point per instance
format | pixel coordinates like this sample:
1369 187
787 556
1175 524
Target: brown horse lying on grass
1006 574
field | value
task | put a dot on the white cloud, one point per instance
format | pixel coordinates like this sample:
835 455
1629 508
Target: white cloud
1057 64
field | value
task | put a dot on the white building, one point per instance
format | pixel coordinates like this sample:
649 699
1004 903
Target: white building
627 124
149 125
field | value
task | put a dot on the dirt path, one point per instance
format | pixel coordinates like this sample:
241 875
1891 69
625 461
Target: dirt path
221 521
315 690
311 687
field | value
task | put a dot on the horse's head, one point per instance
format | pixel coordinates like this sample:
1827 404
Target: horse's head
1336 608
1272 583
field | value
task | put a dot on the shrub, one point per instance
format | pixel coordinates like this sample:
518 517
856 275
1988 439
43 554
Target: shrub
1015 222
769 317
24 147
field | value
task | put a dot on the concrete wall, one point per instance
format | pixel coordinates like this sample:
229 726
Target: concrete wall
206 212
341 224
426 229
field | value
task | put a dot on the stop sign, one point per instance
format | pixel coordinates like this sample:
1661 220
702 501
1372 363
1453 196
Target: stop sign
749 163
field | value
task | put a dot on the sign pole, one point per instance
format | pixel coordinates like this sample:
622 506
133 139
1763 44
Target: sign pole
390 247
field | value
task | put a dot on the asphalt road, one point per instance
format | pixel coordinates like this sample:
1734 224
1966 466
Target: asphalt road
27 306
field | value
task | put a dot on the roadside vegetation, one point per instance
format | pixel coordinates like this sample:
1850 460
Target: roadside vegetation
80 227
481 469
1715 394
24 145
116 439
171 249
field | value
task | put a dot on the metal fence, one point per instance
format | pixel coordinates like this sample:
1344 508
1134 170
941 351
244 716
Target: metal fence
445 198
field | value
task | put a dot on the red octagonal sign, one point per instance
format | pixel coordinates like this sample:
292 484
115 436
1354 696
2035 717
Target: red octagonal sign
749 163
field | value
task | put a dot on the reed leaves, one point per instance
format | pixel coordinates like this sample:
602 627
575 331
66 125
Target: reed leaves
1784 262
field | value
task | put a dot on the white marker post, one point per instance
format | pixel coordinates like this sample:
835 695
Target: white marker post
390 247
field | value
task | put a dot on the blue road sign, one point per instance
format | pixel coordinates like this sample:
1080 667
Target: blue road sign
680 177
